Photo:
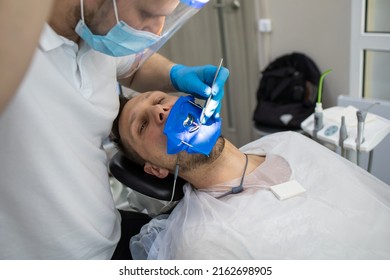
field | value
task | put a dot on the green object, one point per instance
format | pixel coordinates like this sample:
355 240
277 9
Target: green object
320 84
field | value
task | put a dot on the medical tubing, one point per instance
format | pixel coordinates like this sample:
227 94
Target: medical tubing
319 95
358 157
176 174
370 159
239 188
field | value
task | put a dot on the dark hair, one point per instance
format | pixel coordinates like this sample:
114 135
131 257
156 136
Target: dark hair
116 138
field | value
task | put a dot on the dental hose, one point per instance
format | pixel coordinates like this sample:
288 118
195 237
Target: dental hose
175 176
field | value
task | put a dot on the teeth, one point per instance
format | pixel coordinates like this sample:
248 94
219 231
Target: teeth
189 122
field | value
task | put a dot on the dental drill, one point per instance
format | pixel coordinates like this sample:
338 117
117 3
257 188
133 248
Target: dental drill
361 118
318 111
343 134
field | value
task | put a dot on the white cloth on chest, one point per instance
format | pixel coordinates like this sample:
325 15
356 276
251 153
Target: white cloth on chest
344 213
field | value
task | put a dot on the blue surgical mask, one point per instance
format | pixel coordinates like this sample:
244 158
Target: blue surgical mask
121 40
184 131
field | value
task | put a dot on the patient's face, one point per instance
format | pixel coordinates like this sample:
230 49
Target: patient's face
141 126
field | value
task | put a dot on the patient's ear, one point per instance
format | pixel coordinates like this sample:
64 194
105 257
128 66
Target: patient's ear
155 170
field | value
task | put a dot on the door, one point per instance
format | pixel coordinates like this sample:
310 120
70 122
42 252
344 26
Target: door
370 49
224 29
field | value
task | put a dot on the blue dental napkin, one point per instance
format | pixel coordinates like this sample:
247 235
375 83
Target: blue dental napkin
185 132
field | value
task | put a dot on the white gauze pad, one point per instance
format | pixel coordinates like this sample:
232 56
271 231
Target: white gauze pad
287 189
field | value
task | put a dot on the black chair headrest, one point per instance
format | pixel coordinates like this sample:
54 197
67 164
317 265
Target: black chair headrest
133 176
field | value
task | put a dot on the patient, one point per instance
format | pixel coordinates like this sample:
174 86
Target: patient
344 212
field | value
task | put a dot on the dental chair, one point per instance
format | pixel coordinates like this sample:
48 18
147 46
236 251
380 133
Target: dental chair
133 176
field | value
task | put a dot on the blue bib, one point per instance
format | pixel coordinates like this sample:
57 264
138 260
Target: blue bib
184 131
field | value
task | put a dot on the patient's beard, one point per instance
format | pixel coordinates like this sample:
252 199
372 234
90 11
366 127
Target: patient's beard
189 162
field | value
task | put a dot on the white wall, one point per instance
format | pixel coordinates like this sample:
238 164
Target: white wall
318 28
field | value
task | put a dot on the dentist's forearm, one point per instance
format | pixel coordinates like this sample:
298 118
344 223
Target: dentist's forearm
153 75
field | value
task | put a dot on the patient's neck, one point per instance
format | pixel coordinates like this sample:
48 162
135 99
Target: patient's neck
228 166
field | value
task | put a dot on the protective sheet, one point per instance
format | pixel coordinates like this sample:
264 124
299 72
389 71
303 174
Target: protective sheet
344 213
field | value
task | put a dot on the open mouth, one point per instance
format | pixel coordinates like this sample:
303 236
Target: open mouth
190 123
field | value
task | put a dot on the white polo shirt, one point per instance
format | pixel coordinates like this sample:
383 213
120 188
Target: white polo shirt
55 199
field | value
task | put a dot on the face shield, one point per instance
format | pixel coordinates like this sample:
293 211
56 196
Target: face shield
173 22
184 10
125 40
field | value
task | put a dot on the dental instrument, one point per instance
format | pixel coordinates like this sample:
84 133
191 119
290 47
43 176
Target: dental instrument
376 129
211 94
318 111
190 121
343 134
361 119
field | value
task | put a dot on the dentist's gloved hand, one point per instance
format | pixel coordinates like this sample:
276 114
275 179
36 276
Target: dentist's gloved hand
197 81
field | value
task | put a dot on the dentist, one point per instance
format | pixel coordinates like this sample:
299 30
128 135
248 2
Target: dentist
55 198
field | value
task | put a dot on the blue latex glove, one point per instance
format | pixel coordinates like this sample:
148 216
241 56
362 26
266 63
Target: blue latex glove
197 81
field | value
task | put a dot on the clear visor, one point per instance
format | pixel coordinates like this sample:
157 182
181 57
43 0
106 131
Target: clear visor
184 10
